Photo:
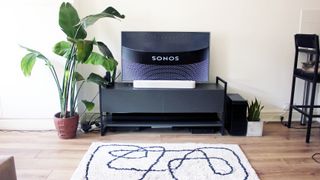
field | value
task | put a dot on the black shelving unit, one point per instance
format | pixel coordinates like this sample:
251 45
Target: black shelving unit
125 106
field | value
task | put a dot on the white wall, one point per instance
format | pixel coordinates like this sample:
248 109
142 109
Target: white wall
251 44
310 21
31 23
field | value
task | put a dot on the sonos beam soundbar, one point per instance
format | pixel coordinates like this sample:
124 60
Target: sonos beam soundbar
182 84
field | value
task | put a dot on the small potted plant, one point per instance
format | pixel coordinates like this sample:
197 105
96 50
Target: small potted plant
255 125
76 50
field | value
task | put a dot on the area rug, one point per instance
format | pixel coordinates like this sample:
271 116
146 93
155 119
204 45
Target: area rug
117 161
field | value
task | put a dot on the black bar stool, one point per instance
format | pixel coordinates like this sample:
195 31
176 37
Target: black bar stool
307 44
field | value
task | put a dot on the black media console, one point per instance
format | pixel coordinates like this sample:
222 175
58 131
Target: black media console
125 106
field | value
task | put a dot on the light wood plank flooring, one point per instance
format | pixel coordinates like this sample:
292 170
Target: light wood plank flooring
280 154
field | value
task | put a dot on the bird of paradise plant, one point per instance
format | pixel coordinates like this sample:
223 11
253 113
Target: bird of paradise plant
76 50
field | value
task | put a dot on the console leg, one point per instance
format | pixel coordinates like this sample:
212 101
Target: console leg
222 130
103 130
104 123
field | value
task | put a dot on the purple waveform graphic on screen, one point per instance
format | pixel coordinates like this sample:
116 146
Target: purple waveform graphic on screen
165 56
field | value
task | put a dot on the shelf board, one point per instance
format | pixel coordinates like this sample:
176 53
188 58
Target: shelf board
165 122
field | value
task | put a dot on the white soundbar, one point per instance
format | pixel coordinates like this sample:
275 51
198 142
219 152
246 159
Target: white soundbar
184 84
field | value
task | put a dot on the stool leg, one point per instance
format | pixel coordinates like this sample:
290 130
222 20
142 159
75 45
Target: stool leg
291 101
303 119
313 93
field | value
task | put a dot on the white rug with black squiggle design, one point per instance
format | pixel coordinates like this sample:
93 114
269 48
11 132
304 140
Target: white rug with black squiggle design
117 161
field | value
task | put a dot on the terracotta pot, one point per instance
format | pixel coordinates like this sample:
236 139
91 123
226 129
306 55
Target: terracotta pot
66 127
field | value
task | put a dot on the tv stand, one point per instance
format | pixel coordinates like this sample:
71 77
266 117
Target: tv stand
125 106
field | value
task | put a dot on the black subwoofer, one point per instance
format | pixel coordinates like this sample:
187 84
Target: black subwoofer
236 115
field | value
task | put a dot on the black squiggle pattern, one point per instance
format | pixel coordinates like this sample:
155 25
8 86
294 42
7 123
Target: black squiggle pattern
130 151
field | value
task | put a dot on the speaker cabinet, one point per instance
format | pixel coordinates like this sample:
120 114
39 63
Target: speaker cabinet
236 115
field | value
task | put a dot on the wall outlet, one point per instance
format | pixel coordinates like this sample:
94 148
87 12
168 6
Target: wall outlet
285 107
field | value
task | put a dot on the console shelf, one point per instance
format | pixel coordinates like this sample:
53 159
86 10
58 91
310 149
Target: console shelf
163 124
162 120
125 106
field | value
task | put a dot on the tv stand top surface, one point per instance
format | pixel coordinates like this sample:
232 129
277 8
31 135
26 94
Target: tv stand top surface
199 86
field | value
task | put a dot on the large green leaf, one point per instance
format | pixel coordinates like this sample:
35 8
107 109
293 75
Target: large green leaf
29 60
37 53
78 76
27 63
89 105
114 12
84 49
104 49
109 64
62 48
109 12
95 78
69 22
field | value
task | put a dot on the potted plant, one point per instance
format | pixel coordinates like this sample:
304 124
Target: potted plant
255 125
76 50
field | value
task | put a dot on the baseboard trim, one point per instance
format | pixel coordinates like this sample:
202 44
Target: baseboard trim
27 124
276 116
48 124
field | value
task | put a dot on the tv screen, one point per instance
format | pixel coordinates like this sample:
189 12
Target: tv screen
165 56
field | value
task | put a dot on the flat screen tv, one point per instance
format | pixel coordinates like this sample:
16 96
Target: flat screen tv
165 56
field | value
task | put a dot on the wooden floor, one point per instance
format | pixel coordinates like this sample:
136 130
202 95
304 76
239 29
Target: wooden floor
280 154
